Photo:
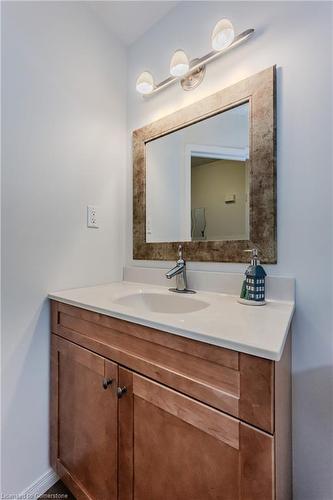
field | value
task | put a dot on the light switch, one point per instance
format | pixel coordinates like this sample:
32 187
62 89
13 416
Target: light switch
230 198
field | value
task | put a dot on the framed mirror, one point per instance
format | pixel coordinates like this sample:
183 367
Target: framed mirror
205 176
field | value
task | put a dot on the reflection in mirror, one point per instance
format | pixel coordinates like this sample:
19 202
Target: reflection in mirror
197 181
219 199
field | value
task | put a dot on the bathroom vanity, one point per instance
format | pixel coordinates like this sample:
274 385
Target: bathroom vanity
162 396
168 412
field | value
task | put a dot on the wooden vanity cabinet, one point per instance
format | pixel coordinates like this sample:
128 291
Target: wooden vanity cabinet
141 414
178 448
84 429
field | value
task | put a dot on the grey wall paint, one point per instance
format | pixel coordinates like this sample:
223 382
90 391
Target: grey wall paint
64 146
297 36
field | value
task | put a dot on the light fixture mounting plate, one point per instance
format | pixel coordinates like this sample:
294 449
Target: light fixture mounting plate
192 80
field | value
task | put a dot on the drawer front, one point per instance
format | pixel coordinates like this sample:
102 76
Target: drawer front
238 384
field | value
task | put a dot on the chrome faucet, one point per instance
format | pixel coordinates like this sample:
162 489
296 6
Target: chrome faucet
180 272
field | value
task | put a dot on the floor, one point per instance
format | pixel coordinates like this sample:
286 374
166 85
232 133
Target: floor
58 491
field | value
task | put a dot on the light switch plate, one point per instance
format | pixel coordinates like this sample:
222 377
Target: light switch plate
92 216
230 198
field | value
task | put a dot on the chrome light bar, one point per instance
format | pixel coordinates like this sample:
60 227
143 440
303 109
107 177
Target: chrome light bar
197 67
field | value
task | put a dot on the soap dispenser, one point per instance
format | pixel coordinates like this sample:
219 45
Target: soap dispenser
253 289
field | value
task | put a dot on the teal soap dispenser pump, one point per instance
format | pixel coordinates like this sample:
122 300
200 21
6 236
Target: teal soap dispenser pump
253 289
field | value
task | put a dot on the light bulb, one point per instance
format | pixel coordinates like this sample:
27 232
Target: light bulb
145 83
223 34
179 64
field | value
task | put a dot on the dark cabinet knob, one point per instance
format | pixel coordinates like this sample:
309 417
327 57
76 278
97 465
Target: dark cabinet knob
121 391
107 382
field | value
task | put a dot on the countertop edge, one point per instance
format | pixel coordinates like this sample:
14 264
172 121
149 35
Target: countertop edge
234 346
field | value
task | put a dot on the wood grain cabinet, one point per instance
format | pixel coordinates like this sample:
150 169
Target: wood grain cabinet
139 414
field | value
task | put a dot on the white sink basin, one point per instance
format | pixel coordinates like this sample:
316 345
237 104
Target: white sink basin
161 303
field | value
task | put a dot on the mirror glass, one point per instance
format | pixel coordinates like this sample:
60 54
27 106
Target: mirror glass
197 181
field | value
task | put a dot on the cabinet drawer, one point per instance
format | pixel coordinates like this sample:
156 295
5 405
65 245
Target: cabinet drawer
238 384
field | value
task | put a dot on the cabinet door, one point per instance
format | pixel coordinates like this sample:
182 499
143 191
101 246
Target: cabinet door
84 421
172 447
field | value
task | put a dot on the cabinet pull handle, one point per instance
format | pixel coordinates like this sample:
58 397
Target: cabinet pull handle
121 391
107 382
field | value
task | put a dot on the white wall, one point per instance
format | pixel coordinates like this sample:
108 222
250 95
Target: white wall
64 146
297 36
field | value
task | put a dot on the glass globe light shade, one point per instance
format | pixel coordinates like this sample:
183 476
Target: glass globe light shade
145 83
223 34
179 64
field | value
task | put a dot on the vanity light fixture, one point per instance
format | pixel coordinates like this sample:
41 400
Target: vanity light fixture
191 73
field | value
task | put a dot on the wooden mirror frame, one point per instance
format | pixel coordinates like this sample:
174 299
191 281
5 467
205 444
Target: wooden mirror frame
260 91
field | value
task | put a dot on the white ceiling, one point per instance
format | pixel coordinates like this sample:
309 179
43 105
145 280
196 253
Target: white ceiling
128 20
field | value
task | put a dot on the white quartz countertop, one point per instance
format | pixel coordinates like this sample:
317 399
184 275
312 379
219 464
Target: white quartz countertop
261 331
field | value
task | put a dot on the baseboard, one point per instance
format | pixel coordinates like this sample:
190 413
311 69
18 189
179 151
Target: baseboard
41 485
